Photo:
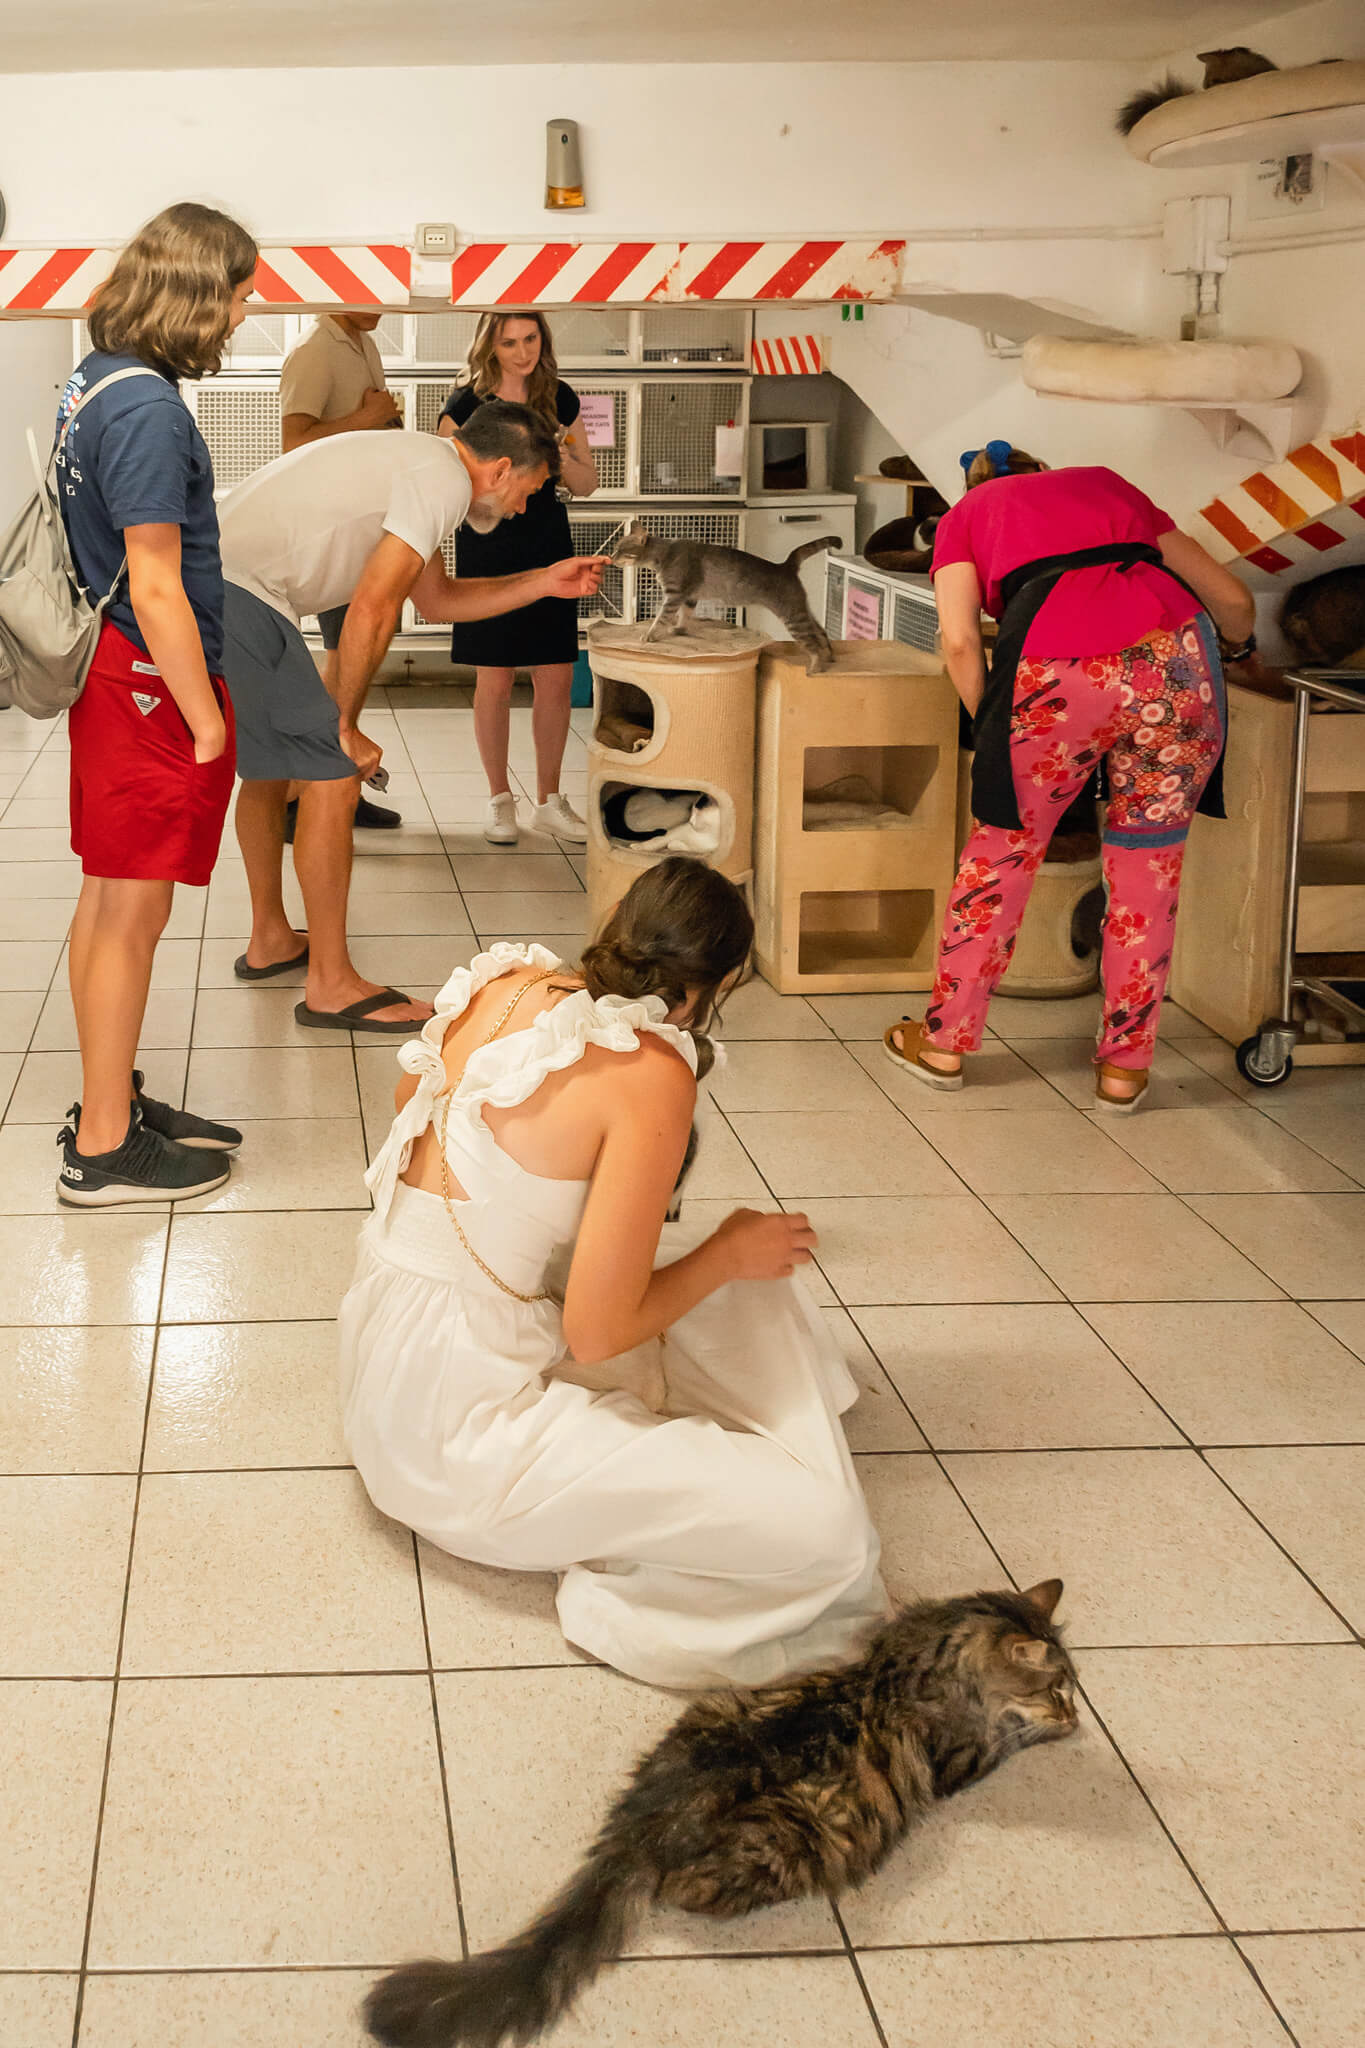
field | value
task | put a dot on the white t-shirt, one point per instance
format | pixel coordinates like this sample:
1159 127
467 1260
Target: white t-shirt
299 532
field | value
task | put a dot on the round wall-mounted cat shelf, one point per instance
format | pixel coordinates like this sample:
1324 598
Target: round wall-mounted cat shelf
1318 109
1240 391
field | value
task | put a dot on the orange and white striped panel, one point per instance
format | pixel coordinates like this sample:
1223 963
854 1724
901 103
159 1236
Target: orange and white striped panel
62 280
647 273
370 274
1296 513
505 274
789 355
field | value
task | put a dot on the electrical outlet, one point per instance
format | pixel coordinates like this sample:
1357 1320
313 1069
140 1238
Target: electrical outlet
436 238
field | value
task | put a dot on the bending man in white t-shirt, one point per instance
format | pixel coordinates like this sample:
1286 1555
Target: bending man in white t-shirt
355 519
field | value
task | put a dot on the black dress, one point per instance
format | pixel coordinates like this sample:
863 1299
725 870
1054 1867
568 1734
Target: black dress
540 633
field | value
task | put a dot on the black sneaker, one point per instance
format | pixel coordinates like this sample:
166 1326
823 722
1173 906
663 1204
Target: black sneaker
181 1127
145 1168
368 818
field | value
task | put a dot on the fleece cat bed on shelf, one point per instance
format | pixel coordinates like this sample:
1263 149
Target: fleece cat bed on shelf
1239 390
1317 109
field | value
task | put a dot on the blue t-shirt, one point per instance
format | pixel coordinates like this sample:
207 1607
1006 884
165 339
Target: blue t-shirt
134 457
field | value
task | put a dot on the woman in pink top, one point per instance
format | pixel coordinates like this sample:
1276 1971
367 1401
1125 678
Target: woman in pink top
1107 653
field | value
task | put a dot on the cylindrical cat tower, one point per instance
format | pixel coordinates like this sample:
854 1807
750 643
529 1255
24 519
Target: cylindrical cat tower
1057 952
671 759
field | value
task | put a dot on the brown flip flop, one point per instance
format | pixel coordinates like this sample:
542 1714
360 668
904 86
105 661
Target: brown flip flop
357 1016
245 972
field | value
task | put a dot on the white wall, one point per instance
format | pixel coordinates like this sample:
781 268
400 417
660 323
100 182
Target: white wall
35 362
966 150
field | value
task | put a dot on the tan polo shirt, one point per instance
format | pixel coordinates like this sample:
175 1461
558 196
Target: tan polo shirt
328 373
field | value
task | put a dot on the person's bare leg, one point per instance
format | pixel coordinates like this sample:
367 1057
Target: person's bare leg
492 723
260 834
113 941
553 686
322 862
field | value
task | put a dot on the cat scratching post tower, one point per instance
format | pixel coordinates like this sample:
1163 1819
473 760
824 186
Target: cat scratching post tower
690 700
842 906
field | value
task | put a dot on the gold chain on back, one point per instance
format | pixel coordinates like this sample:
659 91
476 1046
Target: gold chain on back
546 974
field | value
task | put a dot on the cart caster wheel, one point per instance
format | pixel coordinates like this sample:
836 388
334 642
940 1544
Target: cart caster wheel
1260 1061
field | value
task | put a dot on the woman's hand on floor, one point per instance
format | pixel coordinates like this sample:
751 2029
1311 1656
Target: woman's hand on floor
765 1247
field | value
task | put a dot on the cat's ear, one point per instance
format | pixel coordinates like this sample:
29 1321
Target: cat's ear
1028 1650
1044 1596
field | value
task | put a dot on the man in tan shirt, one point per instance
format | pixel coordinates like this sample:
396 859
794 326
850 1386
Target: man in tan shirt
332 382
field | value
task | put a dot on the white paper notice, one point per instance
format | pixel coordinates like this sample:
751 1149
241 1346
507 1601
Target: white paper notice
729 451
598 416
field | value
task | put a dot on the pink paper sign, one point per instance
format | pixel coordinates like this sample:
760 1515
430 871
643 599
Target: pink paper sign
598 415
862 615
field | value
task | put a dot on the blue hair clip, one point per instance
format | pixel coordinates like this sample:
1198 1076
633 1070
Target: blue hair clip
998 453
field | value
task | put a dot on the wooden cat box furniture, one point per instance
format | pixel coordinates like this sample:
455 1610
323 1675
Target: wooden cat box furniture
677 715
841 905
1055 953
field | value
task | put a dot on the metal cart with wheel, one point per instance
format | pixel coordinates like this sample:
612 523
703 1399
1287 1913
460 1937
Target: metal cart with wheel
1266 1058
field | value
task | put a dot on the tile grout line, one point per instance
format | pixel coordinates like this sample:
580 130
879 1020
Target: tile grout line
440 1752
118 1655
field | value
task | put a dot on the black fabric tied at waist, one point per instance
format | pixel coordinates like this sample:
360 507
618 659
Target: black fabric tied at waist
1024 592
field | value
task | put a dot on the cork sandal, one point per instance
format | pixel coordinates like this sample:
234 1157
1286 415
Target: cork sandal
908 1058
1107 1099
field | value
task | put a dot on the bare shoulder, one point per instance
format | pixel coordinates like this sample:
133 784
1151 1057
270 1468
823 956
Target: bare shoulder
654 1075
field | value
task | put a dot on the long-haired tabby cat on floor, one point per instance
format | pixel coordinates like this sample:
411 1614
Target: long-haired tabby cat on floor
781 1792
691 570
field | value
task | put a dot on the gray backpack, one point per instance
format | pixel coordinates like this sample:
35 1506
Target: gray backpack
49 623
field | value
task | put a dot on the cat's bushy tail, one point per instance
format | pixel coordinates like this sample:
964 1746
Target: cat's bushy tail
812 547
512 1994
1148 100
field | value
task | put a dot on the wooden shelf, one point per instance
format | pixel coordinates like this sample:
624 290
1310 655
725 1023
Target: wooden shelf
904 483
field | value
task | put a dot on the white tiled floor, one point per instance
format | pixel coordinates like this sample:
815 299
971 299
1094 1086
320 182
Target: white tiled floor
255 1743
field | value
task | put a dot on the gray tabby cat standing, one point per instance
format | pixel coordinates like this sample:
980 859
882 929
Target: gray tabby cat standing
691 570
785 1791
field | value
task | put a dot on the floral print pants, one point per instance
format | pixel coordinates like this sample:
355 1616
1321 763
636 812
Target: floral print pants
1155 713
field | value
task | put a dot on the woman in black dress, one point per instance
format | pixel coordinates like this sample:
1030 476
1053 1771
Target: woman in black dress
513 357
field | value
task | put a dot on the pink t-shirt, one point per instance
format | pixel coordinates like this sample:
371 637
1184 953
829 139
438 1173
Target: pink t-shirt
1016 519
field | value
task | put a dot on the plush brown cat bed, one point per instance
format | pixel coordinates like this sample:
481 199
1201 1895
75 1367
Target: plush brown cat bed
893 547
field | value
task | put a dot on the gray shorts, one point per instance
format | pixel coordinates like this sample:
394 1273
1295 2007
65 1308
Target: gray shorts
286 718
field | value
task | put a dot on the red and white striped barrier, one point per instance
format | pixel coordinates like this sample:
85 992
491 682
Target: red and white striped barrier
63 280
482 274
1293 514
789 355
649 273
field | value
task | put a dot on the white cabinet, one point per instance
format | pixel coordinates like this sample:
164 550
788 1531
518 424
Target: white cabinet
774 526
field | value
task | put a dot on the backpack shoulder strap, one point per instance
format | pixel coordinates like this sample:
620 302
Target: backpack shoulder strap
114 377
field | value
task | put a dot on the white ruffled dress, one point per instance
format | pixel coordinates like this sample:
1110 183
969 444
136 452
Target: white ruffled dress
722 1540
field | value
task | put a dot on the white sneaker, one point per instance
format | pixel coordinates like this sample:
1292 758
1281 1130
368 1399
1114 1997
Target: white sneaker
500 825
558 815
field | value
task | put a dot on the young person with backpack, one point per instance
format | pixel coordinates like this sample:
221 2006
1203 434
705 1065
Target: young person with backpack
152 747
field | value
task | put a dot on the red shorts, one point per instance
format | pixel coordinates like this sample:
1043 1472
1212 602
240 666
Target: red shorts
142 808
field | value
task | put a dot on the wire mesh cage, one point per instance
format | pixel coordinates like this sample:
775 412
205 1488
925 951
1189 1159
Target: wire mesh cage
590 334
390 337
591 534
696 334
427 402
261 338
915 621
241 425
834 598
613 463
678 423
720 529
443 337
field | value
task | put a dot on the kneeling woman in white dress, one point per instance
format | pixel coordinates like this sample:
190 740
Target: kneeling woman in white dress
662 1430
